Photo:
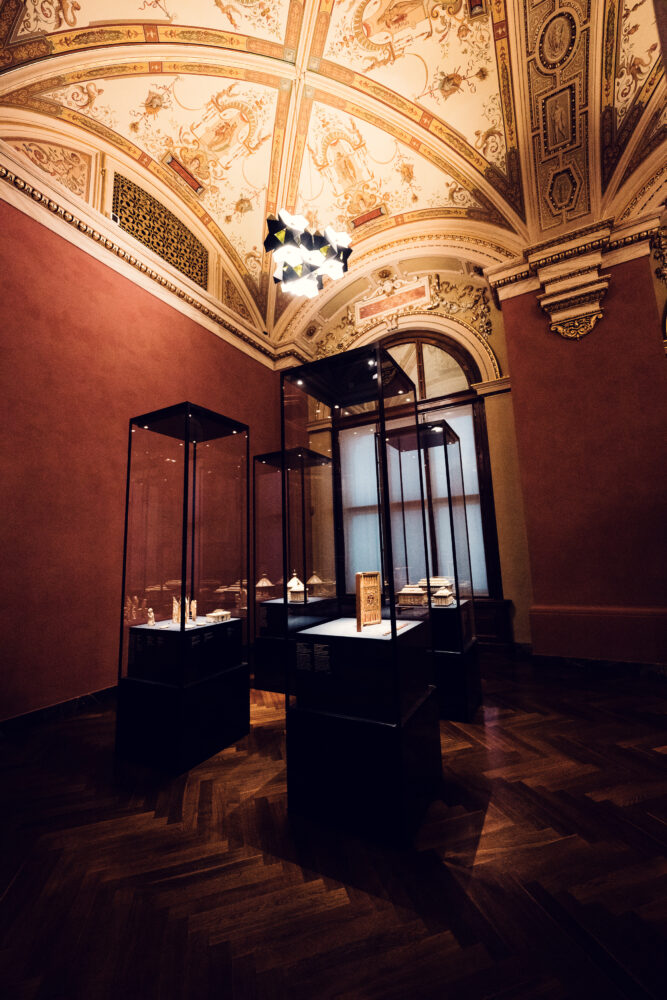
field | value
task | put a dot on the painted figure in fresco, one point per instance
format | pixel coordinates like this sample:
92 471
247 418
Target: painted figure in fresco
383 20
340 155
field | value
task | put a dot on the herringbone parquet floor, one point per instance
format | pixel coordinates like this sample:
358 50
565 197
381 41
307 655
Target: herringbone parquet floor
540 873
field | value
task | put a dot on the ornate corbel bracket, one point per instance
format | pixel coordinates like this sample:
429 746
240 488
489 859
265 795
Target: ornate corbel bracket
566 272
572 294
659 248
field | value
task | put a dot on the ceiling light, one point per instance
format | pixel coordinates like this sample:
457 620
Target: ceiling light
303 258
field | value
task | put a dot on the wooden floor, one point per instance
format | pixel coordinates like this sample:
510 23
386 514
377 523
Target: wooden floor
540 872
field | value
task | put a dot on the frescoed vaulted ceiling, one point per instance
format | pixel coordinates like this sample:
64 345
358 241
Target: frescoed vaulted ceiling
465 130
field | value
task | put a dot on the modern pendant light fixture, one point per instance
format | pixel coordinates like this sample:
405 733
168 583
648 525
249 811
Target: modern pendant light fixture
302 258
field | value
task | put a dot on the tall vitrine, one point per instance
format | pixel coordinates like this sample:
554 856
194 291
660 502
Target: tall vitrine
288 490
455 662
363 744
183 691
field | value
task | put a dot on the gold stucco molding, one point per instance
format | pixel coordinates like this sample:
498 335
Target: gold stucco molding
567 274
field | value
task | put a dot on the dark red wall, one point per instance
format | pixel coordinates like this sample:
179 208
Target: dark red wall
83 350
590 422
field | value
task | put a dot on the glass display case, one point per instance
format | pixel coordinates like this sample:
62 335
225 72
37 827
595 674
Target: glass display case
281 608
183 689
363 744
450 582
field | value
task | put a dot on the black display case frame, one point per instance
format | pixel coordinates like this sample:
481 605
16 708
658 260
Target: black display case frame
183 684
363 742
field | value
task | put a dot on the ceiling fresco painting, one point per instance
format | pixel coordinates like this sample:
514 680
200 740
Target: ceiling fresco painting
220 137
408 123
633 70
433 54
366 169
264 19
68 167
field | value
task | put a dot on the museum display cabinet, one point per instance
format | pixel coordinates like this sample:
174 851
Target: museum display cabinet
285 486
455 660
183 691
363 743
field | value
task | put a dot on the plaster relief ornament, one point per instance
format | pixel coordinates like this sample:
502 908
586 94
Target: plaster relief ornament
151 617
557 40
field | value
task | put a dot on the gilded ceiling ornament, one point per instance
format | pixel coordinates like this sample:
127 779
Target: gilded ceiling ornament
659 248
578 327
150 222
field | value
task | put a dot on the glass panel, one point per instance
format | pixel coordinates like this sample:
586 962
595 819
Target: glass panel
361 660
406 512
183 561
310 582
405 355
268 535
154 527
460 419
442 374
359 495
219 549
460 526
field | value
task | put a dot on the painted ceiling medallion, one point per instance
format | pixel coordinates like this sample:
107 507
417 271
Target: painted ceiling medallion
557 40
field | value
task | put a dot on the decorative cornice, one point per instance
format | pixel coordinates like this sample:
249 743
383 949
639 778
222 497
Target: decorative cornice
571 295
494 387
49 204
566 273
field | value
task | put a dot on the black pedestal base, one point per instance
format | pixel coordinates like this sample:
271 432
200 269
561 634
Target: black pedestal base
366 777
459 684
175 728
272 660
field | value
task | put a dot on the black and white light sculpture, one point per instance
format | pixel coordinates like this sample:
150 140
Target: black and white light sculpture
303 258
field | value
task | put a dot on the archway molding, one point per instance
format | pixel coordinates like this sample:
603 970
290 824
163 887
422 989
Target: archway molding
445 331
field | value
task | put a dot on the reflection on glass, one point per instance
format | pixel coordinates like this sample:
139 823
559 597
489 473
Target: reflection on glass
442 374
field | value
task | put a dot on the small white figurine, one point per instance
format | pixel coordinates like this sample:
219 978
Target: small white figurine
187 609
151 617
193 610
175 610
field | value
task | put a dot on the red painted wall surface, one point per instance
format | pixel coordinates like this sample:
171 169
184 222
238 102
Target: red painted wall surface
591 430
83 350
